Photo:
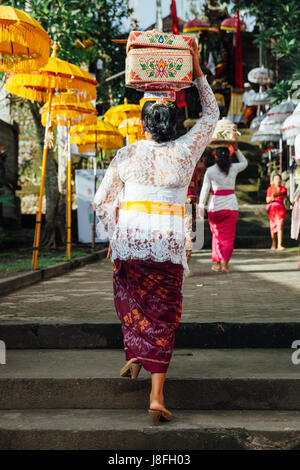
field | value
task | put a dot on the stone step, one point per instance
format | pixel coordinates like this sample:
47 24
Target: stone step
213 379
103 335
244 240
131 429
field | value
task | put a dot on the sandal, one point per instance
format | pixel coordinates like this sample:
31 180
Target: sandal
131 370
159 415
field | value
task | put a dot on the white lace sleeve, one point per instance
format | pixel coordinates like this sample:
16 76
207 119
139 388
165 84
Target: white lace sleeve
243 162
205 190
200 134
188 224
106 197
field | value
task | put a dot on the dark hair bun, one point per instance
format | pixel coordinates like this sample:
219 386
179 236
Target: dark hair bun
159 120
224 161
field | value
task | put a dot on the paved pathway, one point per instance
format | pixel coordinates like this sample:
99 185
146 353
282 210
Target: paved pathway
263 287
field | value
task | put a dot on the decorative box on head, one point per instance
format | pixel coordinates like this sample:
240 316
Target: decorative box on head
158 61
225 133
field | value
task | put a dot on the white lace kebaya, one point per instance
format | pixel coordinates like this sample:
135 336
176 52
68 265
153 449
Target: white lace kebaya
215 180
148 182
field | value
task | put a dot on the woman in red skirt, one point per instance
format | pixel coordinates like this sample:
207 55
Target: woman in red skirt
276 194
148 181
219 181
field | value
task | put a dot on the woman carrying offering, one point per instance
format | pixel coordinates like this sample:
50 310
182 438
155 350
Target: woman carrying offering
222 206
276 210
150 178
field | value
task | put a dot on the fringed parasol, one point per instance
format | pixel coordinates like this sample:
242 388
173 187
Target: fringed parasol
24 44
102 136
229 24
197 24
67 110
260 75
56 77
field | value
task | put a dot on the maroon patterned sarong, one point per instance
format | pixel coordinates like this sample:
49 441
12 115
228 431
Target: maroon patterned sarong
148 301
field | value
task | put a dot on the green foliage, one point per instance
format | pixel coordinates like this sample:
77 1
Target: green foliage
14 262
194 10
6 198
280 91
279 20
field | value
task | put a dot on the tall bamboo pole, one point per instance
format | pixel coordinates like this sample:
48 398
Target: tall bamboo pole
69 196
38 222
95 189
159 20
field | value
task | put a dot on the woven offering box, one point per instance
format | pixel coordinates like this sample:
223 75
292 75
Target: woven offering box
225 133
157 39
158 61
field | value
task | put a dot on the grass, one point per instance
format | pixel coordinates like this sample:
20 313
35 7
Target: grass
15 262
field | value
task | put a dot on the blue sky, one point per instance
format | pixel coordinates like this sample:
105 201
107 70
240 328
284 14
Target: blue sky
147 11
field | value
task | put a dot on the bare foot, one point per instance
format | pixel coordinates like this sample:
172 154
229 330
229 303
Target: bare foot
273 247
156 405
280 248
226 270
216 267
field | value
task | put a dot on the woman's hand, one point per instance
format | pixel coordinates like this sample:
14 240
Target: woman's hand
196 64
109 252
201 211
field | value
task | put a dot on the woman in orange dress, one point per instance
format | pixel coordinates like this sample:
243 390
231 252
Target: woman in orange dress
276 210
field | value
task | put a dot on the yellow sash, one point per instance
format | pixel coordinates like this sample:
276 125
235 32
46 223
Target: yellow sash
151 207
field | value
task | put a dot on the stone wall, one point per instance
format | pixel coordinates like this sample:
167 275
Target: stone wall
9 168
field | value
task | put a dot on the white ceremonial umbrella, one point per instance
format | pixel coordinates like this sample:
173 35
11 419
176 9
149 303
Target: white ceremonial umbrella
275 117
291 126
259 99
255 123
281 111
260 75
269 131
260 136
290 130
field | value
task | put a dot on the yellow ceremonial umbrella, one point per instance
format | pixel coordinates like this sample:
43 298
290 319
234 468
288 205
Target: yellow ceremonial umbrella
67 111
102 136
56 77
132 128
119 113
24 44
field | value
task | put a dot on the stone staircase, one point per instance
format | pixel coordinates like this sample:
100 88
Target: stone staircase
231 382
252 229
228 398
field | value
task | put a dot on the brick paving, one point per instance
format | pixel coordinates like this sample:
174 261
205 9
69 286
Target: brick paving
264 286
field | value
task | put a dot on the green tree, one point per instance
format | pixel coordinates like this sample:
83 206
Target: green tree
84 30
279 33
